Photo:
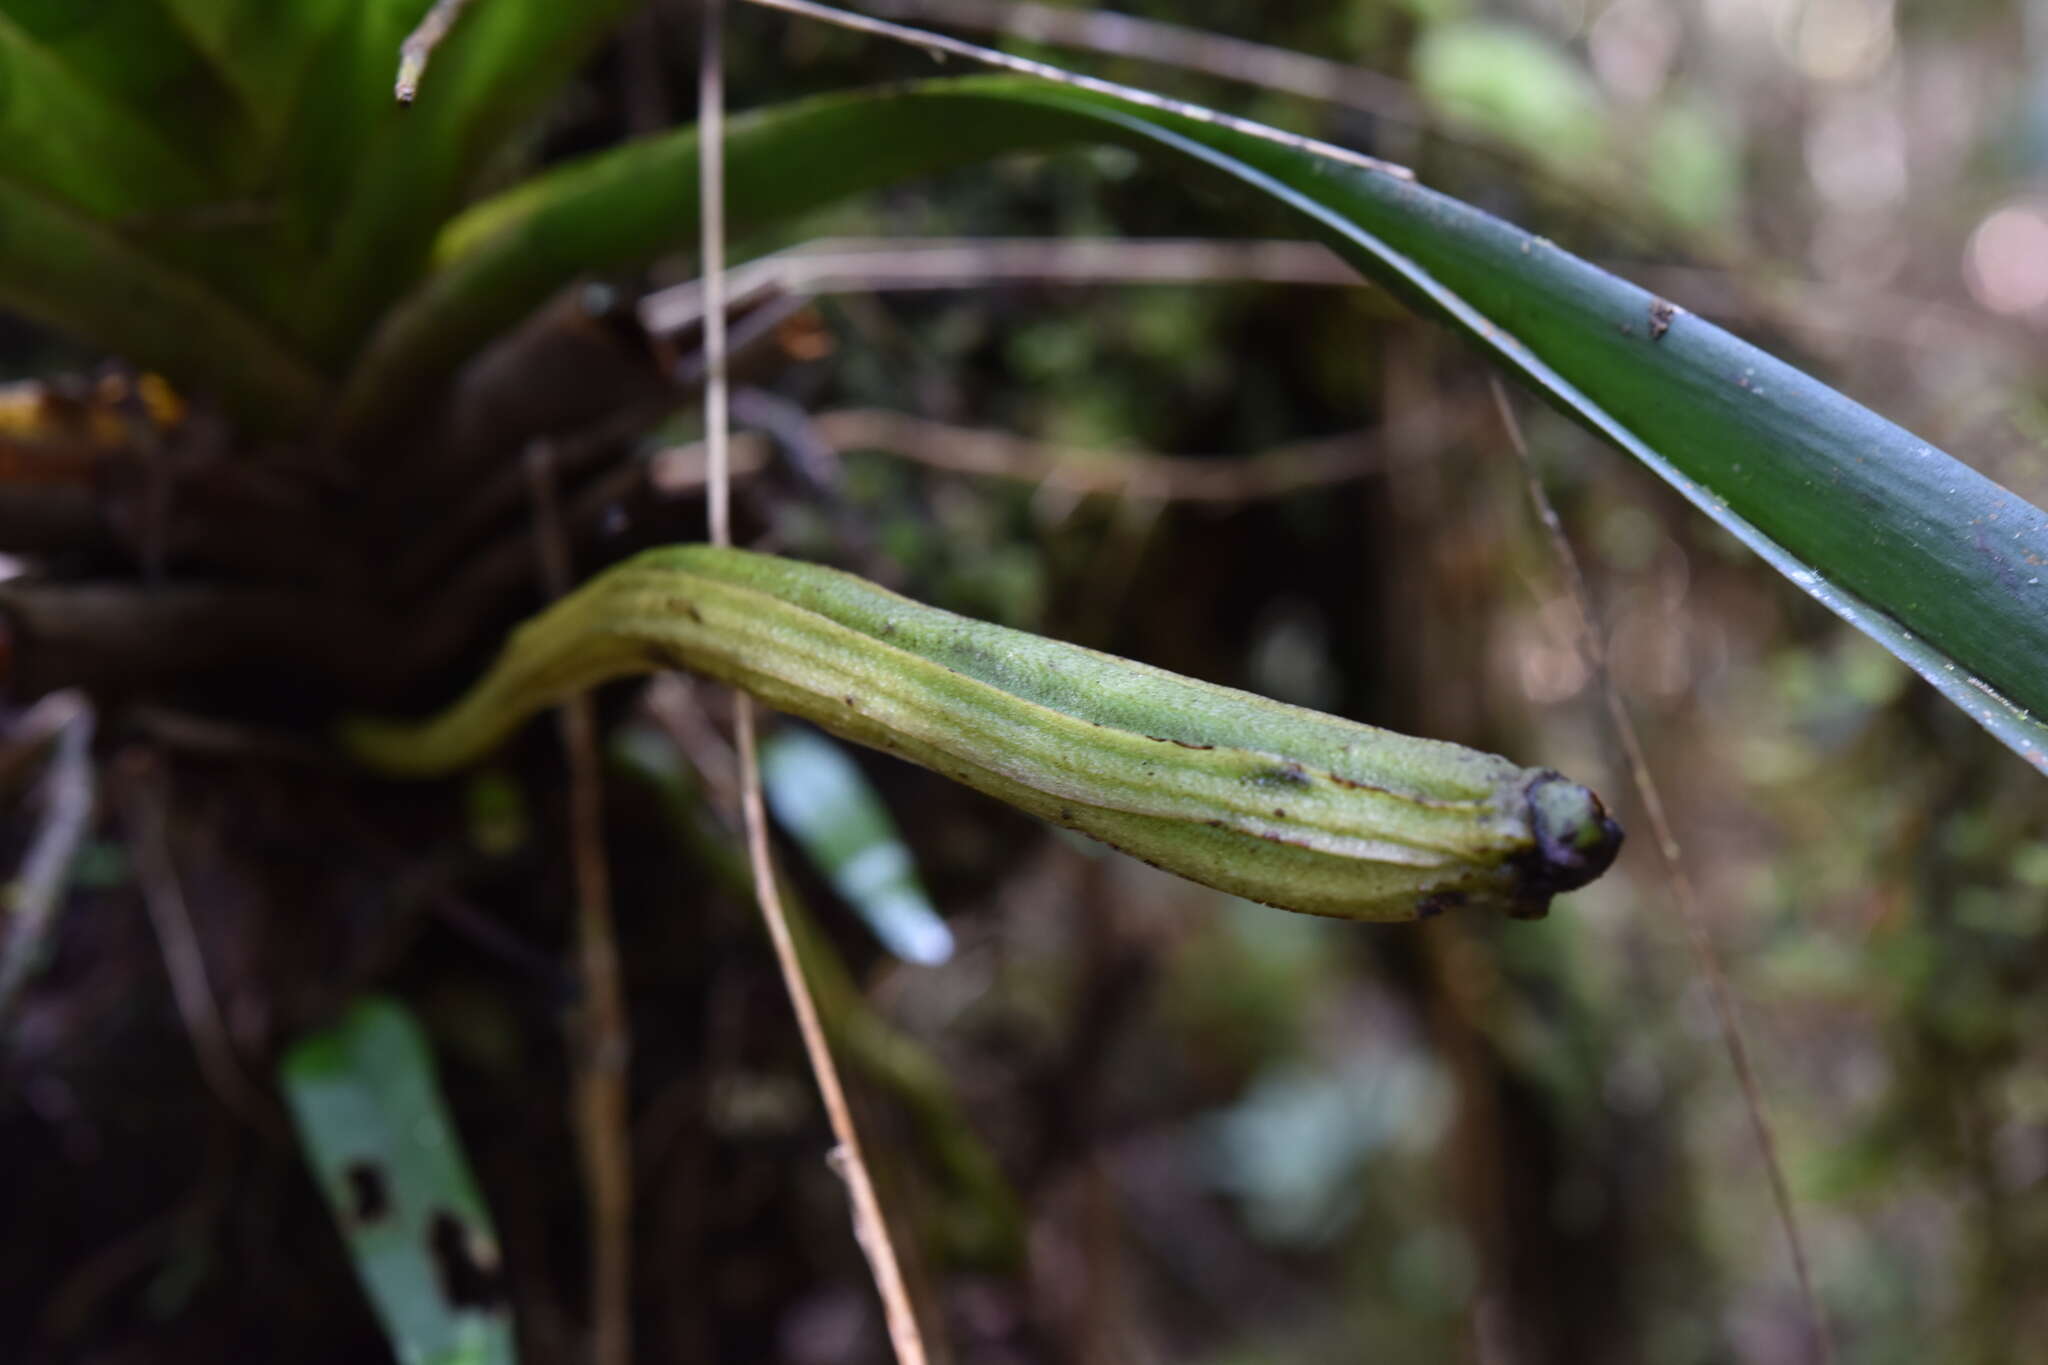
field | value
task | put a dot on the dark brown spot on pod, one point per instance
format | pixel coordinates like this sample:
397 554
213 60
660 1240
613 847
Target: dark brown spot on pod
1286 774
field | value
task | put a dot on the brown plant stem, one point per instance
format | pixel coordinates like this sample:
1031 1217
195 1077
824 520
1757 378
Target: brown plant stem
601 1041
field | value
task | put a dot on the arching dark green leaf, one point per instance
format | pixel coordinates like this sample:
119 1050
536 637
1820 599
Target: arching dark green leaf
1934 561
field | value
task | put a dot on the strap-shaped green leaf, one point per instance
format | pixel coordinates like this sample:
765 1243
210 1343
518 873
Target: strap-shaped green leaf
1940 565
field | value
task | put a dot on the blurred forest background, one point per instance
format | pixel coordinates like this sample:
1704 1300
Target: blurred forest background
1235 1135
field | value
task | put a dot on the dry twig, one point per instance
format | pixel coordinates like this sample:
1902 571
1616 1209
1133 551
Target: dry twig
1594 652
849 265
602 1043
1083 471
1076 471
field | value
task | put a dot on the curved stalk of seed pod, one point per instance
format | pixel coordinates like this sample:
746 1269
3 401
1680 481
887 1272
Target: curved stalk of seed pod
1271 802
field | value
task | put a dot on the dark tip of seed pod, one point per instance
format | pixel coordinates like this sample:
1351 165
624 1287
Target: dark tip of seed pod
1576 840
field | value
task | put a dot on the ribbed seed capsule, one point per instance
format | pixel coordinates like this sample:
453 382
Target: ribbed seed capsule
1268 801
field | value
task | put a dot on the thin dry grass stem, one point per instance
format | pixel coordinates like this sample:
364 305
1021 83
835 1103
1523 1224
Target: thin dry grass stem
69 797
1594 652
870 1226
730 776
939 45
418 47
602 1041
163 895
1191 49
711 195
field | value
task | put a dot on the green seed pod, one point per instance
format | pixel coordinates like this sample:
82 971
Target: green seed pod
1272 802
